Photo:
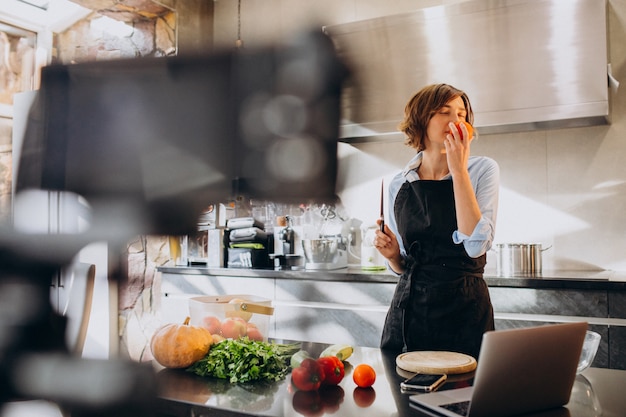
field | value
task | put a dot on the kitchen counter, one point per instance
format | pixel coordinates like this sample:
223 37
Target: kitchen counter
596 392
349 305
599 280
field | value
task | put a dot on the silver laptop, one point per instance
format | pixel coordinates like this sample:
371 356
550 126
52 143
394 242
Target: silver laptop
519 371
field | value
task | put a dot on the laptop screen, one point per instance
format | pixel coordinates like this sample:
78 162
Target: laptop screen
519 371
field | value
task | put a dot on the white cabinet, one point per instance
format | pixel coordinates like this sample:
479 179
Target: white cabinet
311 310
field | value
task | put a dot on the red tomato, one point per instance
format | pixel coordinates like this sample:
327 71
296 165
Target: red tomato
308 376
333 369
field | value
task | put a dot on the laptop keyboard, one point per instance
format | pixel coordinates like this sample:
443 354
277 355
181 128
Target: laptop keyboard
460 408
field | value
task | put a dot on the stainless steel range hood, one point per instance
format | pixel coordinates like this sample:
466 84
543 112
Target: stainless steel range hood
526 64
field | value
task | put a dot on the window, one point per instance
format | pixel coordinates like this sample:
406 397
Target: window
17 61
17 68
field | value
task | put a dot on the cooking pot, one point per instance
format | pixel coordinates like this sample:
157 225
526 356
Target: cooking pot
515 259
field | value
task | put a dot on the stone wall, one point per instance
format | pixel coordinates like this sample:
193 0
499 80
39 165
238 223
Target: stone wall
139 296
91 40
6 176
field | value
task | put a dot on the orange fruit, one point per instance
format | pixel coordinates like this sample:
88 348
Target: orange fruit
470 128
364 375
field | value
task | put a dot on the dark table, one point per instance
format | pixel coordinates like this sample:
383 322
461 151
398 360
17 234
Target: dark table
596 392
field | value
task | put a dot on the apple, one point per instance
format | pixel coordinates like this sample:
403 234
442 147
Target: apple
212 324
234 328
238 313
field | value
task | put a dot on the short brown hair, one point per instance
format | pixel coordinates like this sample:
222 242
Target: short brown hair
421 108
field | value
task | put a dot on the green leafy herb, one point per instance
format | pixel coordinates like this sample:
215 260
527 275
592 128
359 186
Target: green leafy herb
245 360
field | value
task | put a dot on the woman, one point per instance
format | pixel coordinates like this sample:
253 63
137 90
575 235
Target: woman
441 222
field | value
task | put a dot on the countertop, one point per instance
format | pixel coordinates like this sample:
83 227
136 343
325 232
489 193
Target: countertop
596 392
590 280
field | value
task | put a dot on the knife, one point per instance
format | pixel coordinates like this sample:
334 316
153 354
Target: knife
382 211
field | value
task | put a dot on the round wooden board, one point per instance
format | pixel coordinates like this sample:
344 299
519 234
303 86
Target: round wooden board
435 362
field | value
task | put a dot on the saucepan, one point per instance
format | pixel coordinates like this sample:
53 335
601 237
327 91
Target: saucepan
519 259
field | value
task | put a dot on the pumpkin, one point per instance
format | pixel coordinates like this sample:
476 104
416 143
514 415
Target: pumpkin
179 346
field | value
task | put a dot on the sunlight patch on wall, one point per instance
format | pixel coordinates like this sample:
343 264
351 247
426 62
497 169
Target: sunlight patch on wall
608 184
358 181
112 27
524 220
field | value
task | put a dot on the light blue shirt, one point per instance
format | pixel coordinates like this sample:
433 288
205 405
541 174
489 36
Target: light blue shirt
484 174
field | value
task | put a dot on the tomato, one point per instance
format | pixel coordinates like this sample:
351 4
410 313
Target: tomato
333 369
364 375
308 376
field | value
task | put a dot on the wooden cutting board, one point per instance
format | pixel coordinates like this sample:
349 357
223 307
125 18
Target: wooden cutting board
434 362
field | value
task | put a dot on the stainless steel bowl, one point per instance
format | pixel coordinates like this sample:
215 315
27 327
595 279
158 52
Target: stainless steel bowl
319 251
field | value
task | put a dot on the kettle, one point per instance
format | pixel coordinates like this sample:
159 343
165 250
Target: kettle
371 259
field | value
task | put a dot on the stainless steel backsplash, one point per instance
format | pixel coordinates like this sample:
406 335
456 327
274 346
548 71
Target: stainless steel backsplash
526 64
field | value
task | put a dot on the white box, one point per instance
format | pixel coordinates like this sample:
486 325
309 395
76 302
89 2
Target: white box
215 248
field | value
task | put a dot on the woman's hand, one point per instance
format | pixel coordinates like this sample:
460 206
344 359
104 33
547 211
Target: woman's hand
457 153
457 149
387 244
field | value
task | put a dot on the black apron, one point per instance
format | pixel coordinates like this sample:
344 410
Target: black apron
441 301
